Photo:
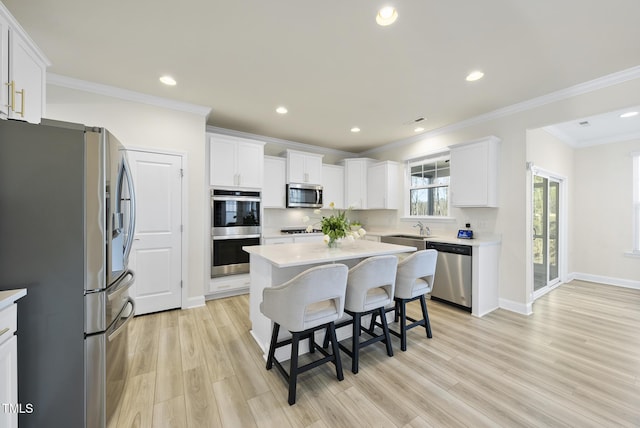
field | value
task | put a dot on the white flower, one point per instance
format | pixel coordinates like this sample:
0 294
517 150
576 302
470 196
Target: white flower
305 219
309 229
362 232
317 212
326 239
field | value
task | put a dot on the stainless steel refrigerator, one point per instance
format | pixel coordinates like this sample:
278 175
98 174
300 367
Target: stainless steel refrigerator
67 216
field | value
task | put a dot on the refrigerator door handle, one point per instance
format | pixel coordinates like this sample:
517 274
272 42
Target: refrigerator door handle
132 208
123 285
118 326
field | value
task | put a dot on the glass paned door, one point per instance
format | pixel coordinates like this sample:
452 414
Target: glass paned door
546 215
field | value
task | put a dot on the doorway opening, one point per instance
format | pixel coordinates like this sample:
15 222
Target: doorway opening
547 227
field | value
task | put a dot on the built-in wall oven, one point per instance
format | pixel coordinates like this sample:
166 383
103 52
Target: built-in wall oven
235 223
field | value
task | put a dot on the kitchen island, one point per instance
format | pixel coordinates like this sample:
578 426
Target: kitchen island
277 263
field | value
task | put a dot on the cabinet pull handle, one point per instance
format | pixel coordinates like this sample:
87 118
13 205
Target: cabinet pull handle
4 330
12 95
22 102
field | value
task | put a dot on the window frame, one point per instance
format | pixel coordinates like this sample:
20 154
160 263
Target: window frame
431 158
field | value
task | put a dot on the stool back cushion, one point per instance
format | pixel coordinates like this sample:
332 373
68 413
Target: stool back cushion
312 298
416 273
371 283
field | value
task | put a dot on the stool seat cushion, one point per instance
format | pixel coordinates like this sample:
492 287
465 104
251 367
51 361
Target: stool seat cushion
320 312
377 297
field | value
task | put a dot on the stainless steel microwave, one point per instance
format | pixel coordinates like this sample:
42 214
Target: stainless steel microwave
304 196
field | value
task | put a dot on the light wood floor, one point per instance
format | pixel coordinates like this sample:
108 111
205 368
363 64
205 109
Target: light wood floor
575 362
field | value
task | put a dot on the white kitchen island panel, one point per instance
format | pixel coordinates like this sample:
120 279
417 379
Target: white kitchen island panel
272 265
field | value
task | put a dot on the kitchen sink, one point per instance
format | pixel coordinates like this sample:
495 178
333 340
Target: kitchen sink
409 240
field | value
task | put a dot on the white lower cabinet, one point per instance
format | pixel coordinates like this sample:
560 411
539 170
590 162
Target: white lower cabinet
8 368
230 285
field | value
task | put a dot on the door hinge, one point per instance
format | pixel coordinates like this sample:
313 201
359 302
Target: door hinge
181 172
181 228
180 283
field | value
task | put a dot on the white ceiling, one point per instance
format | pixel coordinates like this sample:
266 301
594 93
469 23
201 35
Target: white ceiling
600 129
330 64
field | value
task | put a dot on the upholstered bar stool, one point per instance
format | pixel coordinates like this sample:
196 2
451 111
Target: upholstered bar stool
370 287
311 301
414 279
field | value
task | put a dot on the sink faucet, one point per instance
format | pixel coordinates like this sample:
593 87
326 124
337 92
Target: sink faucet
424 230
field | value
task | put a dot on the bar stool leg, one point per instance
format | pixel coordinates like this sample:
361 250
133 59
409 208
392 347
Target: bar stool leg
355 341
425 314
403 325
272 345
336 350
293 370
385 329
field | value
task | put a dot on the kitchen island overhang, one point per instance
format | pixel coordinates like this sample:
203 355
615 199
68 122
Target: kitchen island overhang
275 264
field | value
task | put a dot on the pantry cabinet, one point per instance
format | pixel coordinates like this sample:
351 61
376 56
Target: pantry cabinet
22 72
235 162
274 190
474 173
355 182
303 167
383 185
333 186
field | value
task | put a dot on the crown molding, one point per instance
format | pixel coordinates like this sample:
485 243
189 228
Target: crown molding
125 94
563 94
286 143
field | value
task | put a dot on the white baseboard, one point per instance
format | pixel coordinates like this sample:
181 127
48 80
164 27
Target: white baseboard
618 282
228 293
510 305
194 302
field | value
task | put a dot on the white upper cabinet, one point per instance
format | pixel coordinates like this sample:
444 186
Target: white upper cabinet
475 173
274 190
22 72
235 162
303 167
355 182
383 185
333 186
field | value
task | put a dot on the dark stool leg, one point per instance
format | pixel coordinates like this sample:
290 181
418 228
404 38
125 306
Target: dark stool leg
403 324
272 346
336 350
425 314
385 329
355 340
312 343
293 370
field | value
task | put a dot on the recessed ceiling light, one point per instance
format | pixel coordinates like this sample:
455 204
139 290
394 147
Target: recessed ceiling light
355 129
629 114
282 110
475 75
386 16
168 80
418 129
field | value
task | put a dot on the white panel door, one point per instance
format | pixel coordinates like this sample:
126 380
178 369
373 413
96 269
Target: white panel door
156 256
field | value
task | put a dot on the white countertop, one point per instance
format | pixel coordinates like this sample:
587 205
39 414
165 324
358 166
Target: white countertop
475 242
287 255
9 297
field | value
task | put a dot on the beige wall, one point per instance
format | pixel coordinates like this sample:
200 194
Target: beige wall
603 212
139 125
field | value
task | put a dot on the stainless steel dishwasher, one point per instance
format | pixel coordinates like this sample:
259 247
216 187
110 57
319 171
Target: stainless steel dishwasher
453 274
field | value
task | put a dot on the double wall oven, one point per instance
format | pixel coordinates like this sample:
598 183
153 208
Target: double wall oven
235 223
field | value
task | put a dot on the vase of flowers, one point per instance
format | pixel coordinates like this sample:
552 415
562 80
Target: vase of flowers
335 227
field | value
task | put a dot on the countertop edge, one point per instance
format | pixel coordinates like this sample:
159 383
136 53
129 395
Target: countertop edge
9 297
474 242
